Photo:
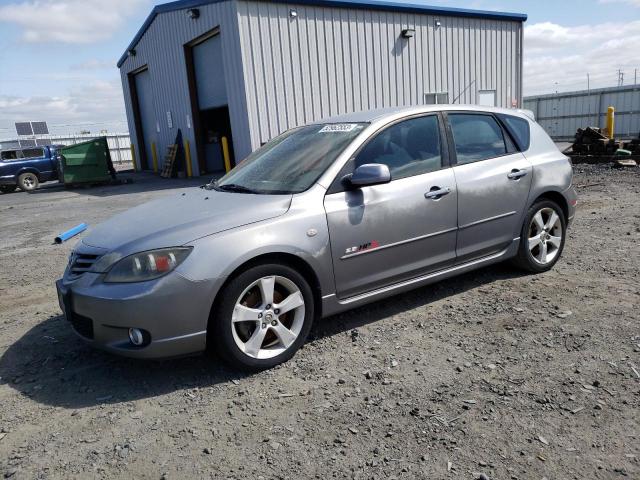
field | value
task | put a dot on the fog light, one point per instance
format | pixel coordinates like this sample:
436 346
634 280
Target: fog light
136 337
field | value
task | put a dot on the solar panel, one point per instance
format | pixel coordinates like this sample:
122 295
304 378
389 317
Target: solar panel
43 142
24 128
40 128
27 143
10 145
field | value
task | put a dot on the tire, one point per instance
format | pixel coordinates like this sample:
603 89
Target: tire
268 337
28 182
541 233
8 188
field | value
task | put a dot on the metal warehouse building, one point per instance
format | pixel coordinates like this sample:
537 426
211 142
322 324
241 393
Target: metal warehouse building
249 70
561 114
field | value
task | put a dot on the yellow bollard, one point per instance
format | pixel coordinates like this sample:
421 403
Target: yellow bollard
611 121
225 154
154 154
187 154
133 158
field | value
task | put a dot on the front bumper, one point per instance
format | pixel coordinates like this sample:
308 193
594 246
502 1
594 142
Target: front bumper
173 310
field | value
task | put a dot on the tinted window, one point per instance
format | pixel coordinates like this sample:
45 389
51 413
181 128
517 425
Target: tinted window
9 155
32 153
520 129
408 148
477 137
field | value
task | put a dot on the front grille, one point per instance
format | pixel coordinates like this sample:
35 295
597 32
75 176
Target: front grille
82 263
82 325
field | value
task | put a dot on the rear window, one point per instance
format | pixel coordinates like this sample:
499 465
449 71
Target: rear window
32 153
476 137
519 129
9 155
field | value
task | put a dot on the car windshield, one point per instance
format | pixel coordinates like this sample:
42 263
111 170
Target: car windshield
291 162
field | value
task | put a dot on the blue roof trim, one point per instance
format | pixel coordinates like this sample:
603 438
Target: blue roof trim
409 7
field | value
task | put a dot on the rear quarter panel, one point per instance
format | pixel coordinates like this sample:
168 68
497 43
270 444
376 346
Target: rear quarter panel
552 170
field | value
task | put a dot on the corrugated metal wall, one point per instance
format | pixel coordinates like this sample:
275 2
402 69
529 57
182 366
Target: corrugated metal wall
329 61
562 114
282 72
162 49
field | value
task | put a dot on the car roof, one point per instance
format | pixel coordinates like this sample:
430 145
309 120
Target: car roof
371 116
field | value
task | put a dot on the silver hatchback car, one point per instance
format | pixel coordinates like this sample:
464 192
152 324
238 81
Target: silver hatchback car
323 218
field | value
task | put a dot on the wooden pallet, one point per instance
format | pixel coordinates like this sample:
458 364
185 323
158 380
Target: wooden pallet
169 161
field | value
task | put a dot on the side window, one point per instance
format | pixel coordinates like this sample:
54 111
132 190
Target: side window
32 153
9 155
476 137
520 130
408 148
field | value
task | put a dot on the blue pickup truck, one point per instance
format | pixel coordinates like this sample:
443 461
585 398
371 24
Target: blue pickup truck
27 167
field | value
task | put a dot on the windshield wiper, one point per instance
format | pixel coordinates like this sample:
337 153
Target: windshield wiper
232 187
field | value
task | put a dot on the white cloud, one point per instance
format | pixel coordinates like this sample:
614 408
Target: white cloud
93 64
69 21
98 101
564 55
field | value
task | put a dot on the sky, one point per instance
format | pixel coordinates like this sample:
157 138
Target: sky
58 57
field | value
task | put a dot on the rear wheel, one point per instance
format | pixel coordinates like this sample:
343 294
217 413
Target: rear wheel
264 317
542 237
28 182
8 188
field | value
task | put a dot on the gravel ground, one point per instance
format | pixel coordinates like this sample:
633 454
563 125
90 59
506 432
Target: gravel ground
494 374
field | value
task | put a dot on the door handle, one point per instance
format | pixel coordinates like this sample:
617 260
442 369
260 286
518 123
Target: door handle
516 174
436 193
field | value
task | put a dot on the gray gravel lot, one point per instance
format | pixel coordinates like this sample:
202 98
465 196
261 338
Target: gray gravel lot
495 374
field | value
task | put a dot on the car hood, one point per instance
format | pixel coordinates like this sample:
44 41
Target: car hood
181 218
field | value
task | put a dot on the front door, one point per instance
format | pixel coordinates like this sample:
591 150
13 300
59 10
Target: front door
493 181
384 234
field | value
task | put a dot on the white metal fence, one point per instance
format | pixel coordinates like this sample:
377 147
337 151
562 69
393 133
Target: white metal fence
119 145
562 114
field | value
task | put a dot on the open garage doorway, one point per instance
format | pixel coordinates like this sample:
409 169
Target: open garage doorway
209 103
143 114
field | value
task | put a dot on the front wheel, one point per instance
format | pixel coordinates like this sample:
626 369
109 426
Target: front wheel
263 318
28 182
542 237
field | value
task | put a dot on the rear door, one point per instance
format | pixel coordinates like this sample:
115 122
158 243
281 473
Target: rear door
493 180
38 158
384 234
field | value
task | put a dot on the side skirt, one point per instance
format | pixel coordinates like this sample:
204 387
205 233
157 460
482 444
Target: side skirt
332 305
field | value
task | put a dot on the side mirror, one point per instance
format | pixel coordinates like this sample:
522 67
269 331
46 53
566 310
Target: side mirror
370 174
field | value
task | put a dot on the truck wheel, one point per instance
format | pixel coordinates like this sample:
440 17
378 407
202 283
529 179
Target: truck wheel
28 182
8 188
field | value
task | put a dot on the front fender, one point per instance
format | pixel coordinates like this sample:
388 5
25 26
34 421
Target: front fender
304 235
33 170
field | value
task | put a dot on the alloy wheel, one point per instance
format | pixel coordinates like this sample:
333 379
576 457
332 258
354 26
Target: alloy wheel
268 317
545 235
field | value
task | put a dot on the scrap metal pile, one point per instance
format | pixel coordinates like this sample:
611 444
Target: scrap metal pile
592 141
633 146
593 145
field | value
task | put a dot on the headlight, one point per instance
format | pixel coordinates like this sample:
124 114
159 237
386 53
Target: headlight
144 266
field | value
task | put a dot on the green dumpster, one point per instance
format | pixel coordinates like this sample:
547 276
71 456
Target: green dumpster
86 162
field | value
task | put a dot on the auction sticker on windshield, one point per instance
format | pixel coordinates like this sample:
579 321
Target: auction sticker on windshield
339 128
